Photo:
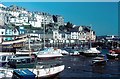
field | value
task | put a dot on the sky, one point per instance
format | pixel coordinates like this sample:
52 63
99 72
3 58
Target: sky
102 16
60 0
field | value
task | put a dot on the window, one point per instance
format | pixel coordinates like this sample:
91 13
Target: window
23 61
2 32
28 60
3 58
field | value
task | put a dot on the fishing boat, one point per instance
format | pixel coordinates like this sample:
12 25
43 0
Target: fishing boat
40 69
21 62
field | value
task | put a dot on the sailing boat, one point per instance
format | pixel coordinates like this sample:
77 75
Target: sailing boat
48 52
92 51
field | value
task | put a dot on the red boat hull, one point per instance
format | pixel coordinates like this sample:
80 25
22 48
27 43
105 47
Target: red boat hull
117 51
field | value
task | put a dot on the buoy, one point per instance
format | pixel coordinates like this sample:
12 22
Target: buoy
69 67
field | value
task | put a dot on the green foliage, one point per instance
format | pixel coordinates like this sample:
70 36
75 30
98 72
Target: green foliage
29 27
67 27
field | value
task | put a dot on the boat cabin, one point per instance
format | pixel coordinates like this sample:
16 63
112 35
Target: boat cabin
21 62
4 59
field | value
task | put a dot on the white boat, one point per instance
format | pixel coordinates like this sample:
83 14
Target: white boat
48 53
99 60
39 70
91 52
63 52
25 52
4 57
74 53
112 55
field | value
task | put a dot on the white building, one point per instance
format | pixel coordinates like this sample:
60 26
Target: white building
2 32
79 33
2 15
24 17
59 20
36 20
56 35
13 13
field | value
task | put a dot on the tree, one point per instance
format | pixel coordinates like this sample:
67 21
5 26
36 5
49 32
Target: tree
69 26
61 28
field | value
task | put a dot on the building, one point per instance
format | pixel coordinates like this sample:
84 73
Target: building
2 15
82 33
2 32
58 20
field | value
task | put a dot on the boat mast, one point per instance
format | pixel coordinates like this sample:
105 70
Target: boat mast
90 35
29 45
44 35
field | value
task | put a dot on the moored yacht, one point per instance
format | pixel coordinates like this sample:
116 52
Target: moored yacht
99 60
92 52
49 53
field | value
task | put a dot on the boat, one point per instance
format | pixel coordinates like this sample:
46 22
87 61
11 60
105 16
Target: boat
10 46
112 55
7 73
99 60
4 58
49 53
63 51
92 52
116 51
22 62
74 53
23 74
40 69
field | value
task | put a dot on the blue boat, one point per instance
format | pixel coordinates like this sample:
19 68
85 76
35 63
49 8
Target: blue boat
23 74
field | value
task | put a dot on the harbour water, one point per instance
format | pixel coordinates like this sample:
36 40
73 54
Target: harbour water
80 67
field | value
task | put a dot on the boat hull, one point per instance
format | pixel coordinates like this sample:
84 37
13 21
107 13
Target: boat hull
2 64
39 72
109 56
48 58
98 63
116 51
90 54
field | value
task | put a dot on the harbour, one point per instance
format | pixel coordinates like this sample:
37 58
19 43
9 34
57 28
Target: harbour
81 67
40 45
